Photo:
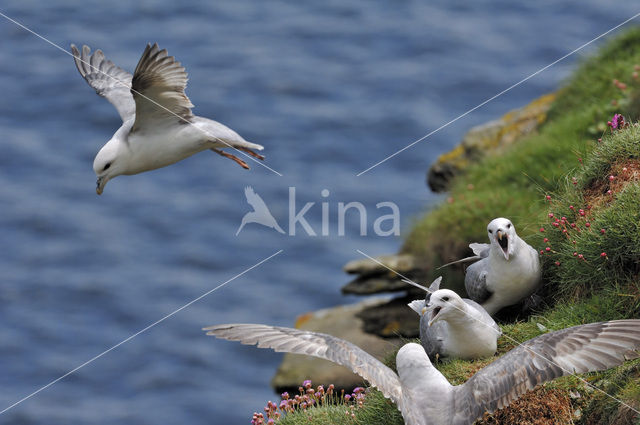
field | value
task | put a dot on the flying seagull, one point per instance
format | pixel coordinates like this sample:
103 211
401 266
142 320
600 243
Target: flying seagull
260 213
506 271
425 396
451 326
158 127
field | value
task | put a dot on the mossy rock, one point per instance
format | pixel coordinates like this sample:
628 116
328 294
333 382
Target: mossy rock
485 138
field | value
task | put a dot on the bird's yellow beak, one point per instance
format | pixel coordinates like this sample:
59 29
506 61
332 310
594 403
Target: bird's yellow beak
100 184
503 241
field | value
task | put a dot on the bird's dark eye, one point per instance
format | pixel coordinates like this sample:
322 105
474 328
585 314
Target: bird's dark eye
445 298
509 226
490 231
106 167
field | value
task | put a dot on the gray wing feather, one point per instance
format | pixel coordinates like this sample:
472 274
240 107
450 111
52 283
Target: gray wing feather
486 317
464 260
585 348
417 306
475 281
480 249
431 337
435 285
108 80
158 88
318 345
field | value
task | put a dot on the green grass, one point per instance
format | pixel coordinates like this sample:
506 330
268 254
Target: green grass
515 184
621 382
605 255
378 410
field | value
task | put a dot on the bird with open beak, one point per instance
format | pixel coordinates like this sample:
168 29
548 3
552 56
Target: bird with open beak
505 271
508 270
451 326
502 238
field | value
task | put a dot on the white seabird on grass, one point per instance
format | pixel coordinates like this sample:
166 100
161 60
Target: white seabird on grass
506 271
158 127
425 396
455 327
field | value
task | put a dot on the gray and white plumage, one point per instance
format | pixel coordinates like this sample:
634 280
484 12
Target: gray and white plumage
158 127
425 396
506 271
451 326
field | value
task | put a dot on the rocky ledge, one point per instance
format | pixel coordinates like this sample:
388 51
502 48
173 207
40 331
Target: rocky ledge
343 322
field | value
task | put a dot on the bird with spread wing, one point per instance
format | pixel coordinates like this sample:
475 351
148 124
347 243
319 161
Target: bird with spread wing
158 127
425 397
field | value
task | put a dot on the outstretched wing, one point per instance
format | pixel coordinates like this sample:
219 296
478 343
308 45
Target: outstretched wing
316 344
108 80
158 89
585 348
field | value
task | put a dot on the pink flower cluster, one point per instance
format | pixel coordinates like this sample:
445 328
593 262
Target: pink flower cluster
357 401
308 397
626 92
569 228
617 122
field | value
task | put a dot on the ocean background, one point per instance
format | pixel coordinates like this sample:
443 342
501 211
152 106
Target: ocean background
329 88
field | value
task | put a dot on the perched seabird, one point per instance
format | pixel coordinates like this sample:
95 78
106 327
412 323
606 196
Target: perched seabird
158 127
451 326
425 396
506 271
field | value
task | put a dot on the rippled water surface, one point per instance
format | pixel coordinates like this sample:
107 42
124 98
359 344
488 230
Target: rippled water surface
329 88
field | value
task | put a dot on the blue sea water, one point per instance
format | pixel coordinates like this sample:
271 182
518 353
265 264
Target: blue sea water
329 88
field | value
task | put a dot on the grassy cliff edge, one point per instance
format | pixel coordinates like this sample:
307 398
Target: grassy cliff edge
573 191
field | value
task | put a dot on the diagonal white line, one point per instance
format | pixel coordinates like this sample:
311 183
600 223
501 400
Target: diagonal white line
498 95
124 83
584 381
138 333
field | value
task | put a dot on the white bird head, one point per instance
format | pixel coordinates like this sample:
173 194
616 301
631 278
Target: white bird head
415 370
443 305
502 234
113 159
410 357
419 305
106 165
